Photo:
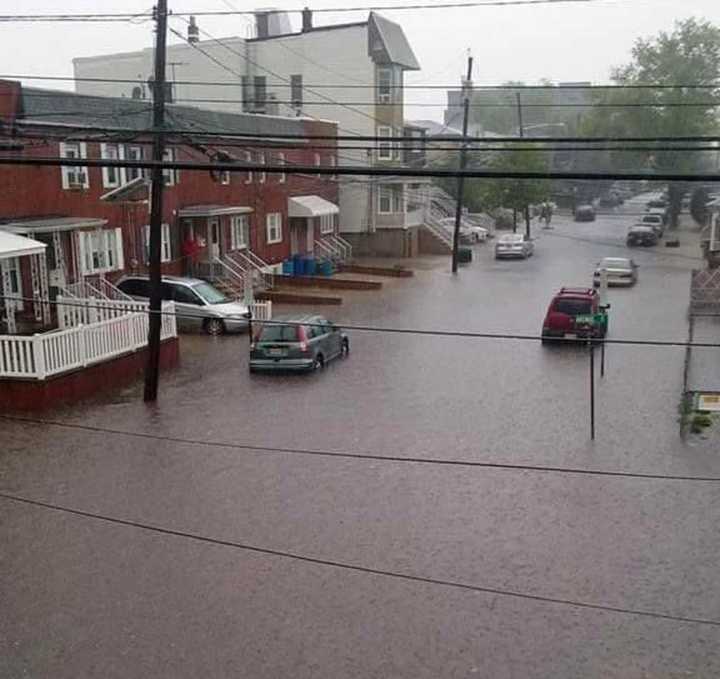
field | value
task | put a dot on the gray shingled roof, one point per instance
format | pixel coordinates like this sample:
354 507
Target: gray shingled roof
81 110
397 46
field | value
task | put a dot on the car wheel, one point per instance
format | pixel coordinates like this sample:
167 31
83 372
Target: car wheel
319 362
214 326
345 348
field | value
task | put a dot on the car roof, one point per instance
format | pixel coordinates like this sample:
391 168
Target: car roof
641 227
297 318
576 292
165 279
615 259
512 236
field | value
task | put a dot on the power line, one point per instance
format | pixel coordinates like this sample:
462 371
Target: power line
477 87
331 563
462 334
362 455
391 171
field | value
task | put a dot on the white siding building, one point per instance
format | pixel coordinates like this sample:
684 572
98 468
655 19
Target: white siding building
349 73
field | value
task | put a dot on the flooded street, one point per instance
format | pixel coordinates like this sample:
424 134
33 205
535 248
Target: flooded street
83 598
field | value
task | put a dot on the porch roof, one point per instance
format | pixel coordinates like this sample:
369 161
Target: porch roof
50 224
13 245
137 189
310 206
213 210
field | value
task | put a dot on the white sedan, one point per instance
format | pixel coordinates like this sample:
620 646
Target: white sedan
619 270
514 245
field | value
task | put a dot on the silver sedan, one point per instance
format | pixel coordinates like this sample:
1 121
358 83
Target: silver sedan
620 271
513 245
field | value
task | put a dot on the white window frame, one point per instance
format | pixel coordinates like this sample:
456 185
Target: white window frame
133 152
249 160
101 251
112 176
170 176
385 148
327 224
282 177
395 195
384 192
74 177
333 163
385 97
224 177
165 243
273 228
317 160
262 175
398 198
239 232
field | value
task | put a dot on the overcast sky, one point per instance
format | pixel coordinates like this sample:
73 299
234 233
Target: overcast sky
564 42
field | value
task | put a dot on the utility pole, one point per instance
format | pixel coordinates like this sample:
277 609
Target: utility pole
467 89
152 369
521 130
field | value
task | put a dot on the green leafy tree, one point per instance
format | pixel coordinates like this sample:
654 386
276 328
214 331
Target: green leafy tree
689 55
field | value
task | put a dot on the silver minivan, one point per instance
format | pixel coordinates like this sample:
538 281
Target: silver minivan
198 304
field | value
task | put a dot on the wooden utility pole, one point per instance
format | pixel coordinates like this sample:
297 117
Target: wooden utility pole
521 130
152 369
467 89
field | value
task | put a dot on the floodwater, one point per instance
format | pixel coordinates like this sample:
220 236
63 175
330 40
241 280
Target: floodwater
81 597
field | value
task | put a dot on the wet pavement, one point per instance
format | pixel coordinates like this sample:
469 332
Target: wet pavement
85 598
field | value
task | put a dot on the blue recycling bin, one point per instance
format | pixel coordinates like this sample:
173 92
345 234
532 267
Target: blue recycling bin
325 267
298 265
288 267
309 266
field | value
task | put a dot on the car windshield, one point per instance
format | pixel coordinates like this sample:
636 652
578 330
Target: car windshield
279 333
210 294
512 238
572 306
614 263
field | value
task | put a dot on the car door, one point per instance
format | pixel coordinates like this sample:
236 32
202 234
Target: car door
331 338
189 307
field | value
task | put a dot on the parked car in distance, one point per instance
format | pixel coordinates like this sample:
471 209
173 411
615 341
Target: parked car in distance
619 271
642 234
514 245
654 220
584 213
197 303
566 306
297 343
657 203
469 233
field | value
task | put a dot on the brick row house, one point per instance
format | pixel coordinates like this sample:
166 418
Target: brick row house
93 221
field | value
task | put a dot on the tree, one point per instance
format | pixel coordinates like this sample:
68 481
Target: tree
686 57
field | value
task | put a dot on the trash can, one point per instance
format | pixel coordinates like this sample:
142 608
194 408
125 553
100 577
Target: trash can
298 265
464 255
325 267
310 266
288 267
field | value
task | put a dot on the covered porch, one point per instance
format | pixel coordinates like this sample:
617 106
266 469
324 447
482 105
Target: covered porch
313 225
24 304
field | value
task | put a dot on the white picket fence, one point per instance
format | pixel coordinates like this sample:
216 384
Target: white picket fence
73 311
261 311
46 354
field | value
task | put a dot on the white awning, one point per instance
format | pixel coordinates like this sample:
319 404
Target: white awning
310 206
213 210
12 245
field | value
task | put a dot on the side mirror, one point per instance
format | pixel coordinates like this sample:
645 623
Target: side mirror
248 315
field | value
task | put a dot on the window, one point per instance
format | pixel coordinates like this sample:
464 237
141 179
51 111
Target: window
248 159
133 153
112 176
101 251
261 161
239 231
171 177
317 160
209 294
385 85
385 148
572 307
224 177
74 177
333 163
185 295
391 199
135 287
280 333
296 91
282 177
327 224
273 226
246 94
260 92
165 243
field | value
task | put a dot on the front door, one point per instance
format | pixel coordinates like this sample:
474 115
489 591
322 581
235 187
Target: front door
214 227
297 236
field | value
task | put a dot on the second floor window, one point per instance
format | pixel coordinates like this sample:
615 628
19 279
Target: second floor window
282 177
385 144
170 176
248 160
133 153
296 91
113 176
317 161
74 177
261 161
260 92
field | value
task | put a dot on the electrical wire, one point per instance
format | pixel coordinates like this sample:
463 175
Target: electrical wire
461 334
477 87
345 566
397 459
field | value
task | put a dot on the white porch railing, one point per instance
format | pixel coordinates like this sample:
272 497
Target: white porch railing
261 311
51 353
72 311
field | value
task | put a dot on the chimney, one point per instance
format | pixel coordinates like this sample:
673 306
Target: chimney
193 32
262 24
307 24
